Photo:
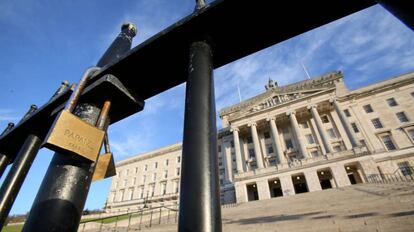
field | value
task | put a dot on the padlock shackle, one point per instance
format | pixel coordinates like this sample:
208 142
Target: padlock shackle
106 143
71 103
103 116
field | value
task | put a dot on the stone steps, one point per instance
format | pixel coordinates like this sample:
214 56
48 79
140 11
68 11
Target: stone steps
364 207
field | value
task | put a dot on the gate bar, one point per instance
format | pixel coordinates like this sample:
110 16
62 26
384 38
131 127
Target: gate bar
401 9
200 191
4 159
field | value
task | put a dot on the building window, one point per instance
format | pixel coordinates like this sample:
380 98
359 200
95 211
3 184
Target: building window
219 148
389 144
270 149
331 133
155 165
288 143
176 187
124 183
141 192
368 109
337 148
165 174
310 139
121 195
127 172
346 112
154 176
391 102
325 119
163 188
315 153
131 193
363 143
152 190
144 177
136 170
354 127
220 161
145 167
221 182
178 159
377 123
285 130
249 139
134 181
266 135
305 125
402 117
411 133
251 153
405 168
177 172
166 162
232 143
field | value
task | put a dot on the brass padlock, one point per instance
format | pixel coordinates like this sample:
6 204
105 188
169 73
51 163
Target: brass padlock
105 167
71 134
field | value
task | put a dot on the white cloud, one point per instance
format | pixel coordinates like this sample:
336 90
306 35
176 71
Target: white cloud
8 115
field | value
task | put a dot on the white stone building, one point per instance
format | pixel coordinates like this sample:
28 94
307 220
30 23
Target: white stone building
306 136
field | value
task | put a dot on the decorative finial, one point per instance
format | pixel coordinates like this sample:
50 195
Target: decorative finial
129 28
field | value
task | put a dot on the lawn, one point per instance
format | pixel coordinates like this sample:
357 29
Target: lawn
13 228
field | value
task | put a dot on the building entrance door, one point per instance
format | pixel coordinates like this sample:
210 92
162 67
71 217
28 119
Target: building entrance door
252 194
275 188
299 183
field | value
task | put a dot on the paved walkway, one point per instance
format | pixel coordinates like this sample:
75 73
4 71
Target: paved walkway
367 207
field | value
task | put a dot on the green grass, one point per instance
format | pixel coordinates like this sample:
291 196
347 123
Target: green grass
13 228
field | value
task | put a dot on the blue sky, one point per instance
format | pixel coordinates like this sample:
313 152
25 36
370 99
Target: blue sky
43 43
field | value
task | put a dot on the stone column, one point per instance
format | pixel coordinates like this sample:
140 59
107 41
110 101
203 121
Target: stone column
226 154
321 130
276 140
312 180
340 176
256 144
263 189
241 192
287 185
349 131
237 149
299 136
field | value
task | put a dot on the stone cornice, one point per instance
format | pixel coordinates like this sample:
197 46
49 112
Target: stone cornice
151 154
379 87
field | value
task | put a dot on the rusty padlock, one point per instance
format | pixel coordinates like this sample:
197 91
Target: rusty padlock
71 134
105 166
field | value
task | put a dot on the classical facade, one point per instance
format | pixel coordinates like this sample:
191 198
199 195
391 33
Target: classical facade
303 137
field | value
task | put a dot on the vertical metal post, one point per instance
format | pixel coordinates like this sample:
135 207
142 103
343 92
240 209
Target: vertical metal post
200 192
152 211
17 174
402 9
129 221
60 200
4 159
140 220
116 222
159 219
